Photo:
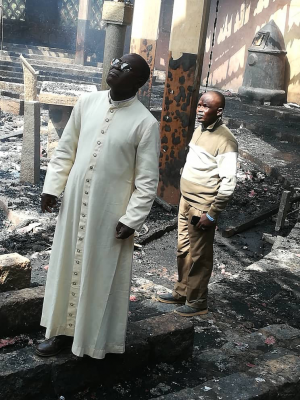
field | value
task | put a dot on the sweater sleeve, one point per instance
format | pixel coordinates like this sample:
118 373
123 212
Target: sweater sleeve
63 158
146 179
227 166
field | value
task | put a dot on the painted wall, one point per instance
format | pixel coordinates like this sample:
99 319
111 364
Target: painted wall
162 47
238 21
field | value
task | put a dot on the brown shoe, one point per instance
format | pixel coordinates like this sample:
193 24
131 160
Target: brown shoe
169 299
53 346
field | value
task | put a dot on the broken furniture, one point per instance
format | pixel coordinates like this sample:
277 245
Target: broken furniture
264 78
61 98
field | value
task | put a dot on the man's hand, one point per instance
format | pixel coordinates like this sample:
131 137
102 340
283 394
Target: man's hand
123 231
48 201
204 223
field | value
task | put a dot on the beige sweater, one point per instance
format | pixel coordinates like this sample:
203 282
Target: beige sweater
209 175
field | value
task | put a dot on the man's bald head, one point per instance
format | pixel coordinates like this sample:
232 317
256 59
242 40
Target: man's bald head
128 80
216 97
210 107
139 66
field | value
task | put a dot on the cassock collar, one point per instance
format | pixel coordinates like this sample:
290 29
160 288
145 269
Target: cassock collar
122 103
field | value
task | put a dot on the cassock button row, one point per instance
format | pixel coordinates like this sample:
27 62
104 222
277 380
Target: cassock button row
80 238
71 304
111 111
106 120
75 273
70 325
83 215
86 192
85 204
74 283
81 227
99 142
91 167
77 262
95 155
87 180
78 251
70 315
102 131
73 294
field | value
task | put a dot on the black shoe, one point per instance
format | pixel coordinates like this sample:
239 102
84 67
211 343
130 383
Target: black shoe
187 311
168 298
53 346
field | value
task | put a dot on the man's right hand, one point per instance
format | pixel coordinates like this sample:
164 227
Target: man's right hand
48 201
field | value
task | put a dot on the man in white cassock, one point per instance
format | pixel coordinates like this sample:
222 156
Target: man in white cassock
107 164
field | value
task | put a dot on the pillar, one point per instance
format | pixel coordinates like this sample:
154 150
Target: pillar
116 15
186 52
144 35
30 80
82 30
58 117
30 158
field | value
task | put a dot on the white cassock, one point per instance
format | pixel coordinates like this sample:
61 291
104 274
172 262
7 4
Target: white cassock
107 163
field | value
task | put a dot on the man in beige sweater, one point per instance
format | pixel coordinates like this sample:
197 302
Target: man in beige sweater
207 183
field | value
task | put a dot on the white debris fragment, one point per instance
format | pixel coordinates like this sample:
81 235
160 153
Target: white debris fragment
260 379
207 388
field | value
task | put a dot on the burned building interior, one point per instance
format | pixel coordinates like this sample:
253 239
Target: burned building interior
248 345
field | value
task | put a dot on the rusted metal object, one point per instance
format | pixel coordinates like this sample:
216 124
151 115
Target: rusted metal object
147 49
177 123
264 78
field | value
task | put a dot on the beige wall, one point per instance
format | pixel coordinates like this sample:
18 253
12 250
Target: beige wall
238 21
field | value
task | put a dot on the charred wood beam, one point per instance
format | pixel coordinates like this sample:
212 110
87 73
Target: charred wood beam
228 232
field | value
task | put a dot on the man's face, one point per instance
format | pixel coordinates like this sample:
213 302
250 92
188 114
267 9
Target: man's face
208 109
125 79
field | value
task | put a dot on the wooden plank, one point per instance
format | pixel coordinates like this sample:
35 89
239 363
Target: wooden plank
9 135
283 209
228 232
162 203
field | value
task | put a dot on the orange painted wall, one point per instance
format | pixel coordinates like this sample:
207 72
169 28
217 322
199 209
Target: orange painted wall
238 21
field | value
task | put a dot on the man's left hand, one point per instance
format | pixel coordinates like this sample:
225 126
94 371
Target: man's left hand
123 231
204 223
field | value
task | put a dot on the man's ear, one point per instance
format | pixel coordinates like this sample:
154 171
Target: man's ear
220 112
